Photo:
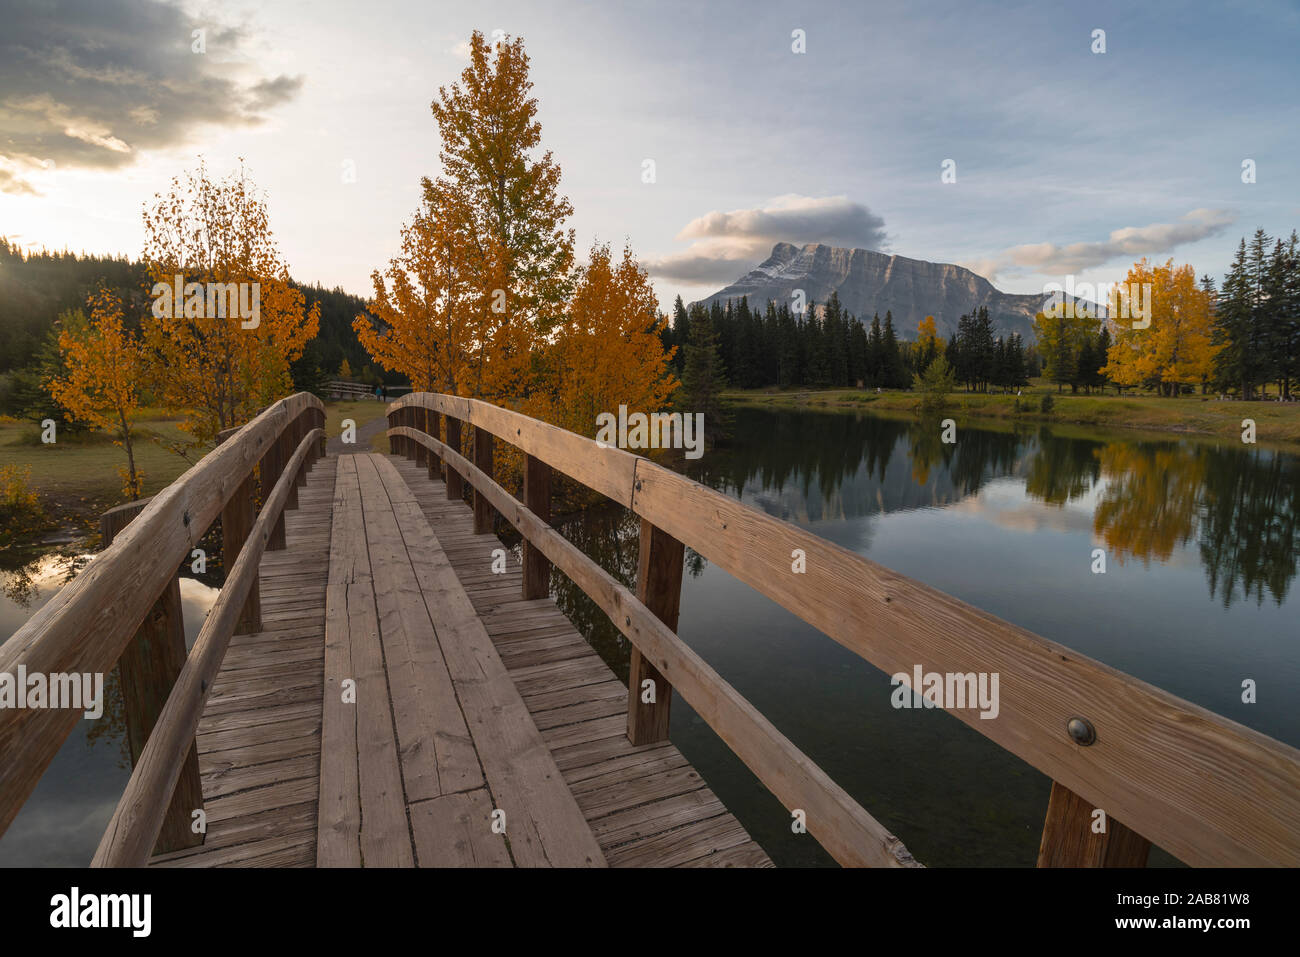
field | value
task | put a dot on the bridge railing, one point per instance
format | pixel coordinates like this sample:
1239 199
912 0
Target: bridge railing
1206 789
123 610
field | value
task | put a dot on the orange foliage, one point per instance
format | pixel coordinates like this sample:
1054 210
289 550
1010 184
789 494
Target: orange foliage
606 351
211 366
105 373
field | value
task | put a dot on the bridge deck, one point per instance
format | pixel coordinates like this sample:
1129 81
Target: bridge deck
467 700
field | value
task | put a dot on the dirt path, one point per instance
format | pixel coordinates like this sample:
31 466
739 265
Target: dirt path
365 432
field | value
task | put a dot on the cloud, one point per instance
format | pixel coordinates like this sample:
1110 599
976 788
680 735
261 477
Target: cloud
727 244
268 93
92 83
1130 242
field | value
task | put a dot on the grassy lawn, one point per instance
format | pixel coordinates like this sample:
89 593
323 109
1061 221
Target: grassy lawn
1275 423
77 476
359 411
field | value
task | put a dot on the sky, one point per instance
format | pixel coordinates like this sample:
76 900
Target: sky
1065 160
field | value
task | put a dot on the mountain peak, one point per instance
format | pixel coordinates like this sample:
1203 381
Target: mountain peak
870 282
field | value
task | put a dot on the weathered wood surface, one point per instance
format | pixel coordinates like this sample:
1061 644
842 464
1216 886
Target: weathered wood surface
1076 834
841 825
259 737
435 715
1203 787
146 673
646 805
88 624
534 736
138 818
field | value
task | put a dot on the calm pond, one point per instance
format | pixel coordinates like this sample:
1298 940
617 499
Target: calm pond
1202 542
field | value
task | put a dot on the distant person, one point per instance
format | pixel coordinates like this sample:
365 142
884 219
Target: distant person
379 393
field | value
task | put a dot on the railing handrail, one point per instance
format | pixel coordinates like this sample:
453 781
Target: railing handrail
86 626
844 827
138 818
1203 787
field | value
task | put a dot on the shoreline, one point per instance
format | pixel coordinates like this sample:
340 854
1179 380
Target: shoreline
1277 424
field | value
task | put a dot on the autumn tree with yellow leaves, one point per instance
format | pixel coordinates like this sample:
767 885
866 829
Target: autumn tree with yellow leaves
483 299
105 373
425 319
1175 350
486 264
606 351
219 369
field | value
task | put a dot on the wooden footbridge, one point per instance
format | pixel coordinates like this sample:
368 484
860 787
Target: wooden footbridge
371 689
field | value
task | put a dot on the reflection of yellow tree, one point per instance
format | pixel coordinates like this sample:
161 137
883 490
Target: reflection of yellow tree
928 448
1149 505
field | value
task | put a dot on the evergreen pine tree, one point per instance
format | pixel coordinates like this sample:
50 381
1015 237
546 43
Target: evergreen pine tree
704 378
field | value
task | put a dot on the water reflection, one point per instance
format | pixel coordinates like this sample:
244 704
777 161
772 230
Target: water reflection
1239 505
1203 542
65 816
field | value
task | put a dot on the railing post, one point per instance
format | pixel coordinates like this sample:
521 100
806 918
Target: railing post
1070 838
290 437
483 442
236 522
455 482
431 428
146 673
399 443
300 430
268 471
659 588
420 424
392 439
537 499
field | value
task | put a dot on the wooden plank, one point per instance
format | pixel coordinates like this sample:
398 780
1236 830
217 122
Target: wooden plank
236 524
683 845
456 831
483 442
232 780
455 488
659 588
544 823
437 755
537 496
1071 839
338 828
292 850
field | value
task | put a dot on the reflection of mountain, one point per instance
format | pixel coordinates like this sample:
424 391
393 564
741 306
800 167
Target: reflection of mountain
808 468
1241 507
